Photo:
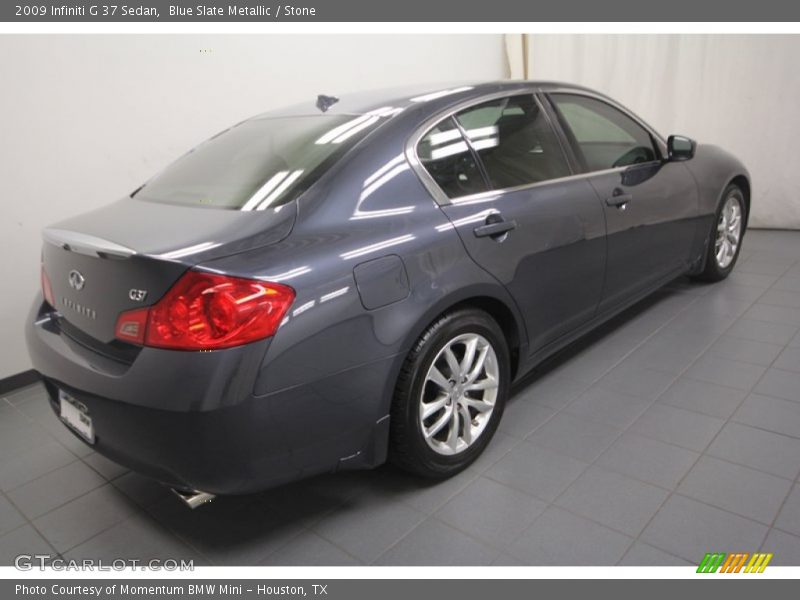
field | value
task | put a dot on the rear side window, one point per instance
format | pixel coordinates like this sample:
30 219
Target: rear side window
449 161
259 164
515 142
606 137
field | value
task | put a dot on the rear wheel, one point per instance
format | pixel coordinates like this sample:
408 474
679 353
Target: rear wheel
725 238
450 394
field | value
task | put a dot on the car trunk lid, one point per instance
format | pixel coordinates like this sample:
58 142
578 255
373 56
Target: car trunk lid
128 254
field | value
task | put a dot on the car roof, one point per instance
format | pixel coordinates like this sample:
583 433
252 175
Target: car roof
434 97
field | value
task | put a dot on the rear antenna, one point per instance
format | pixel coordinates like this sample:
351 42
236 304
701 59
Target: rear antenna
325 102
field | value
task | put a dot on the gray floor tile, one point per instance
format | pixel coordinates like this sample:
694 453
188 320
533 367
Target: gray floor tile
608 406
309 549
369 526
55 489
795 341
778 297
760 280
23 540
677 426
744 491
688 528
723 371
622 503
703 397
774 314
784 547
35 390
787 284
667 353
780 384
559 537
521 417
772 414
633 380
138 537
19 437
490 511
789 360
762 265
749 351
789 517
537 471
575 437
232 530
762 331
648 460
21 468
644 555
759 449
84 517
107 468
10 517
552 390
436 543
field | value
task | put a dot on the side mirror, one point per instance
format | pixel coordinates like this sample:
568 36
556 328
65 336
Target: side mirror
680 148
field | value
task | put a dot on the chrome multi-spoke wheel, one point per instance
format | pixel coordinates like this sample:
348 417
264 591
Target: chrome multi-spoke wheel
729 232
450 394
459 394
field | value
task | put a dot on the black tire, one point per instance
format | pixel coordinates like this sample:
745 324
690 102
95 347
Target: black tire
712 270
408 448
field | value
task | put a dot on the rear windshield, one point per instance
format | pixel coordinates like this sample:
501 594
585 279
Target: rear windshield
259 164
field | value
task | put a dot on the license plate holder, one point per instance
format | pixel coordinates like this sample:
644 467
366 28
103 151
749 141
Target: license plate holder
75 415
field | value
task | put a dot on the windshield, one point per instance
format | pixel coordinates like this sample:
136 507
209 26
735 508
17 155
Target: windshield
259 164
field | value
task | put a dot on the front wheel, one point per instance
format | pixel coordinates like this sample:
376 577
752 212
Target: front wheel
450 394
725 239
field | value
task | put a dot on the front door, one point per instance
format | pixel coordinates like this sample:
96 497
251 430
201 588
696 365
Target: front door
650 205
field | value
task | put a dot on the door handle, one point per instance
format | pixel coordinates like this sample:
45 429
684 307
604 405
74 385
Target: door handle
619 199
495 226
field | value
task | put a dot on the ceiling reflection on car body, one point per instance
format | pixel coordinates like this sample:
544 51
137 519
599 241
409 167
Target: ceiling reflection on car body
378 179
378 246
440 94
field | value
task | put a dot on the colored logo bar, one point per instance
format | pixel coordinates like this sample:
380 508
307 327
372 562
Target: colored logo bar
739 562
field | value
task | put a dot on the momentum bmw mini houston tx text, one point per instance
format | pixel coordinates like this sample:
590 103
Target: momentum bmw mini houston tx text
345 281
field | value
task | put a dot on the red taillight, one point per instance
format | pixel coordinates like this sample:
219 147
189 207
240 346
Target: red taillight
205 311
47 289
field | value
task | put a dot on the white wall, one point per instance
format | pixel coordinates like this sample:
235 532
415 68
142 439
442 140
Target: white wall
739 91
86 119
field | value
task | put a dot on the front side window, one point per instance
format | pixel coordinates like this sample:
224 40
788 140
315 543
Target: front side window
515 142
449 161
606 137
259 164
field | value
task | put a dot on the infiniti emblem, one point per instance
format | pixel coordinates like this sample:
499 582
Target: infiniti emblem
76 280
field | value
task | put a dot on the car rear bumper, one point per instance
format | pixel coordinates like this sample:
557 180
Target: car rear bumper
191 421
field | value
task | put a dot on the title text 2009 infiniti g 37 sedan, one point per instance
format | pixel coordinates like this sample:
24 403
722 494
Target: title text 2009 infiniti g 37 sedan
326 286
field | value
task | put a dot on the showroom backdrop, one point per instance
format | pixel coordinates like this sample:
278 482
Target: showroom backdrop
741 92
86 119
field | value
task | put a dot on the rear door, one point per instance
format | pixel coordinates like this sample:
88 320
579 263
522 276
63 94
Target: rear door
650 205
521 216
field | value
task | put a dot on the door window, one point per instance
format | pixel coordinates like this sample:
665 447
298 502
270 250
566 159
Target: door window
515 142
606 137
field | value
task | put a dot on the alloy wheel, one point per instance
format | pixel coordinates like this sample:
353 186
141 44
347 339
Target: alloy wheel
729 232
459 394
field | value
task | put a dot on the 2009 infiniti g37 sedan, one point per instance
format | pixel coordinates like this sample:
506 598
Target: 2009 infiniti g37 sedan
350 280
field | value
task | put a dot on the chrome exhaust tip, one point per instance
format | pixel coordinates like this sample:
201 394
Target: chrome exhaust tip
193 498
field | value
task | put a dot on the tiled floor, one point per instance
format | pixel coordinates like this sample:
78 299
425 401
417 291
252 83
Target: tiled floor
670 432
